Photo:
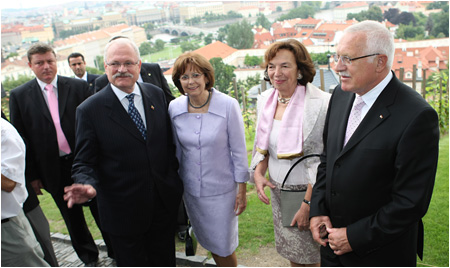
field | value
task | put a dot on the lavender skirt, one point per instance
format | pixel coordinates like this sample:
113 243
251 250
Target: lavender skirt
214 221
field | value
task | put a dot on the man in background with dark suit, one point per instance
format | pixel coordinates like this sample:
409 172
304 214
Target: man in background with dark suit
150 73
78 66
43 112
377 171
125 157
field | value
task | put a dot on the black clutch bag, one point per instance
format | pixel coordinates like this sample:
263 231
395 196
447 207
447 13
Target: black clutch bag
291 200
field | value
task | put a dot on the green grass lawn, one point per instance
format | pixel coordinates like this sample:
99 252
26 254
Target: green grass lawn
256 226
436 220
167 53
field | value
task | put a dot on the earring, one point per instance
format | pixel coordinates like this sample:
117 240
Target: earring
266 76
300 76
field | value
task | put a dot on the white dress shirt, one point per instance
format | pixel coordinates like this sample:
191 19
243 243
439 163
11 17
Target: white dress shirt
370 97
13 167
137 100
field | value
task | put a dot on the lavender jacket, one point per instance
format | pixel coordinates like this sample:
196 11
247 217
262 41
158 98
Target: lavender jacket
210 146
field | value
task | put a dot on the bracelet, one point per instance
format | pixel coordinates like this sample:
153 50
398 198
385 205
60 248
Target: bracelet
307 202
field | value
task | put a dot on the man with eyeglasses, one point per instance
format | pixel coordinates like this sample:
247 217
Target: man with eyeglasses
150 73
125 157
377 171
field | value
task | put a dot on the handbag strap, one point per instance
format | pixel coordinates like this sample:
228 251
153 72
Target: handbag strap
293 166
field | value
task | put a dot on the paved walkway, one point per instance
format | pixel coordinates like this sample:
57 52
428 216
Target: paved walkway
68 258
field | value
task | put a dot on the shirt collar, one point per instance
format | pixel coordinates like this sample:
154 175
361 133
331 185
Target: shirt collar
84 77
43 84
216 106
121 95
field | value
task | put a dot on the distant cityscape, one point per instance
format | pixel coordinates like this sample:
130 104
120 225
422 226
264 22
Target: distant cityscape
86 27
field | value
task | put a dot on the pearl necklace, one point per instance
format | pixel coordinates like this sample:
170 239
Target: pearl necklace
201 106
284 100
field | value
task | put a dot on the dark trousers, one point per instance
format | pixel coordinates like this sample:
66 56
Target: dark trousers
328 258
81 238
154 247
94 211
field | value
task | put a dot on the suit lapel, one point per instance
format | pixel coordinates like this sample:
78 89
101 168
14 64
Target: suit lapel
344 107
149 108
118 114
37 99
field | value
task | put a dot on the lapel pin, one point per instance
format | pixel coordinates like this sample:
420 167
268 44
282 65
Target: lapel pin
149 74
152 107
381 116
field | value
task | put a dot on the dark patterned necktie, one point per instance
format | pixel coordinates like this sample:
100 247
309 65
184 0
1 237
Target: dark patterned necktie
135 116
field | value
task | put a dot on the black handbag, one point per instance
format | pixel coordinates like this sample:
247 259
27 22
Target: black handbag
291 200
190 240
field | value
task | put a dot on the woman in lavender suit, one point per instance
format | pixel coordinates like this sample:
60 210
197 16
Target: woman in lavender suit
210 139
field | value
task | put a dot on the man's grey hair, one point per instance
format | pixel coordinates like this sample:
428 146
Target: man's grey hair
378 39
122 39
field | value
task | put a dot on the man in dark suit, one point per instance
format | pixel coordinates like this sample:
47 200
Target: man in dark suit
373 186
150 73
43 112
78 66
126 158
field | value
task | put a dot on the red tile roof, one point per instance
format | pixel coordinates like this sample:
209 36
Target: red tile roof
105 33
216 49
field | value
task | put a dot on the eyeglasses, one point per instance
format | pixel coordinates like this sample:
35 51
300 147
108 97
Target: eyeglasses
117 65
194 76
348 61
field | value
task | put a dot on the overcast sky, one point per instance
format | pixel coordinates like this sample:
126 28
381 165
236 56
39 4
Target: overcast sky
31 3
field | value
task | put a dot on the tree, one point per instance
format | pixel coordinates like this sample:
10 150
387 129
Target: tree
223 74
12 54
394 16
373 13
406 18
437 5
145 48
262 21
391 14
9 83
188 46
410 32
437 100
307 9
208 39
92 70
222 33
320 58
252 60
440 22
159 45
99 63
240 35
149 26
